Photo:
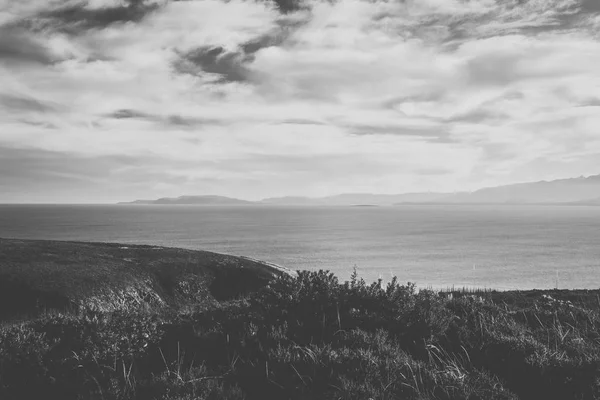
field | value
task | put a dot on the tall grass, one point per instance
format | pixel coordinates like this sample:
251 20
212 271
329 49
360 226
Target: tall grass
312 337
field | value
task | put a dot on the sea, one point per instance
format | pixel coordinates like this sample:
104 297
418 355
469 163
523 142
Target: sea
434 246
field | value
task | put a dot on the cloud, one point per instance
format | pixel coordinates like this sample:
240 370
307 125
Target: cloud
126 114
255 99
429 134
590 6
592 102
33 166
19 46
300 121
39 175
191 122
18 104
214 60
77 17
169 121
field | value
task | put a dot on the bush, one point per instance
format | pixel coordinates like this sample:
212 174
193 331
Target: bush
311 337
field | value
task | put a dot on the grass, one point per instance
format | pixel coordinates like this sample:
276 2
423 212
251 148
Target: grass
312 337
38 276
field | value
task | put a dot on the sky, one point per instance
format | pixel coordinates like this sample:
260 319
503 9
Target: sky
116 100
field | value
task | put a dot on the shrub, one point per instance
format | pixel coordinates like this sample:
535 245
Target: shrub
311 337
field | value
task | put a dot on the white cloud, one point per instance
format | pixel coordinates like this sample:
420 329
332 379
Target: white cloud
415 95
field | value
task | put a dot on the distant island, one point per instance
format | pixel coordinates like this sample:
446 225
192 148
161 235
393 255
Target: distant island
209 199
572 191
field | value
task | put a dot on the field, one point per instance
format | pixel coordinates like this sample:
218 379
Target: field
282 336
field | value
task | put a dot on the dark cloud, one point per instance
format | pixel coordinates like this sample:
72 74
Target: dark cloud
249 49
423 97
170 120
477 116
433 135
77 17
26 104
288 6
594 102
215 60
508 17
182 121
19 46
572 95
38 123
126 113
277 37
590 6
261 42
232 66
301 121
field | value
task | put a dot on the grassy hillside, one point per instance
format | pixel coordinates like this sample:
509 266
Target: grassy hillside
39 276
308 336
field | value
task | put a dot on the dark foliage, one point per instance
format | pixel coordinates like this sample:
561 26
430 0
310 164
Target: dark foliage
312 337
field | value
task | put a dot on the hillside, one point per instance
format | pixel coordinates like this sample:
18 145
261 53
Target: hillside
37 276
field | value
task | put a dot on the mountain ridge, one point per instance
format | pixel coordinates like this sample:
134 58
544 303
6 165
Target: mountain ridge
581 190
558 191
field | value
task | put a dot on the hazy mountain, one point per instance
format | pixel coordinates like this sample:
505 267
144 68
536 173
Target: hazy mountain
557 191
574 190
217 200
566 191
352 199
380 199
289 200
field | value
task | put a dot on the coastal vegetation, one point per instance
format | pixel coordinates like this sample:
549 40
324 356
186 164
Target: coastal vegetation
298 336
40 276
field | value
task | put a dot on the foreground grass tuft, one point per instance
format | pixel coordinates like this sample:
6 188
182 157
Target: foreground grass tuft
312 337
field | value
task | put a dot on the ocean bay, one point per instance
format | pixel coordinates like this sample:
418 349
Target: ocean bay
504 247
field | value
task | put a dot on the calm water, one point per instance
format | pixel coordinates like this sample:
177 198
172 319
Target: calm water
485 246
